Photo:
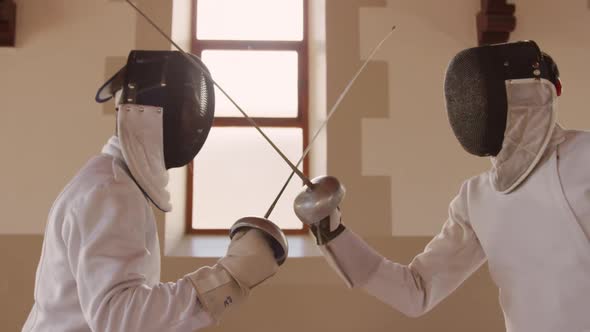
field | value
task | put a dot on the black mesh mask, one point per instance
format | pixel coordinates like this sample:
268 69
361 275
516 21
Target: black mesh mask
167 79
475 90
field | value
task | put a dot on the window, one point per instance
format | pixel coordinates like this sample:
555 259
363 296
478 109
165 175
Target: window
256 50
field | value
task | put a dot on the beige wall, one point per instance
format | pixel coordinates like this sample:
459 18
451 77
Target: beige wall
389 143
410 141
51 124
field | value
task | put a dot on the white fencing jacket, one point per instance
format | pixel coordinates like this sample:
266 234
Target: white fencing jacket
535 238
100 265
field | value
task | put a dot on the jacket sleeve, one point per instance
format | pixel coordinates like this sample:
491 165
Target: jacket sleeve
450 258
105 235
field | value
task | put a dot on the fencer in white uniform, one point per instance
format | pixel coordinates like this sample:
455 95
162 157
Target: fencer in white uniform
100 264
528 216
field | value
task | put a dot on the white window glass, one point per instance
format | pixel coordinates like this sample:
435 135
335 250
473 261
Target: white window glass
250 20
263 83
238 174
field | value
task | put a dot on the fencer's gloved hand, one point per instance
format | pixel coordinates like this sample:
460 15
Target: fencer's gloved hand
257 249
328 228
318 207
249 259
345 252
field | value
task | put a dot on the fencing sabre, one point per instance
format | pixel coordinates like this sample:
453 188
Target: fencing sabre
325 122
294 168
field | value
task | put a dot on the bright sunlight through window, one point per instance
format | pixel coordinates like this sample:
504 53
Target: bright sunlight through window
257 51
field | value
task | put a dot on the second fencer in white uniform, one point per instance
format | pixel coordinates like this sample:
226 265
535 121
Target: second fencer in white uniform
528 216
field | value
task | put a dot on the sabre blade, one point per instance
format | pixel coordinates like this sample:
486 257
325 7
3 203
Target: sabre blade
325 122
294 168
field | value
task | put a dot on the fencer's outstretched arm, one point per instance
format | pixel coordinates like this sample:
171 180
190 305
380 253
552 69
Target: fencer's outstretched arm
450 257
107 254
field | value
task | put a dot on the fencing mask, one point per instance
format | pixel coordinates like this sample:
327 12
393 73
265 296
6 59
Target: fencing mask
164 115
476 93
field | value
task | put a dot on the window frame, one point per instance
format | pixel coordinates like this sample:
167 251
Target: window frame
301 121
